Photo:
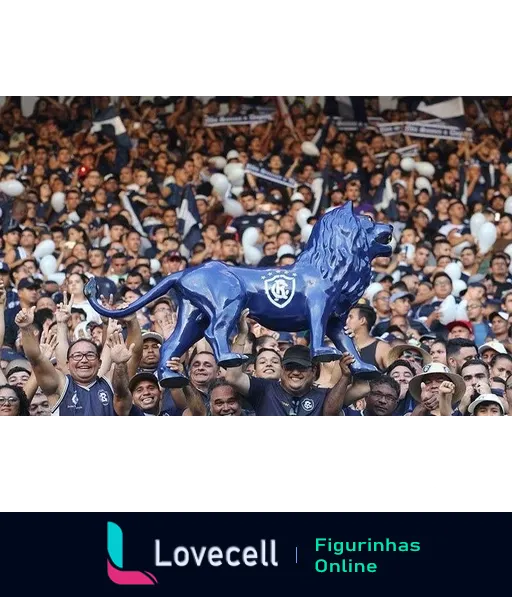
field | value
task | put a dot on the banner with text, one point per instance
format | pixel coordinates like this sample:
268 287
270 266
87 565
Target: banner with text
270 176
247 119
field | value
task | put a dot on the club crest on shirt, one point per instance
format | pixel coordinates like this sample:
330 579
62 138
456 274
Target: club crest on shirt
280 290
307 404
74 399
103 397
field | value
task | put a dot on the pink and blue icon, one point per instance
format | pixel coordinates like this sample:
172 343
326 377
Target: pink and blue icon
115 570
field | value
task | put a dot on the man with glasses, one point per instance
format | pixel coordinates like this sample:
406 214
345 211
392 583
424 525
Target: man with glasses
81 392
294 394
382 399
481 327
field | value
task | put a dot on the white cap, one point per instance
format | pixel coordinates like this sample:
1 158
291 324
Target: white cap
486 398
297 197
493 345
232 155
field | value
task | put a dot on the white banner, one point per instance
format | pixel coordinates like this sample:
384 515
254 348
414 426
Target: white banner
251 119
270 176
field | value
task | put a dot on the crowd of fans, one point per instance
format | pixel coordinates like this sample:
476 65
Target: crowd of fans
110 198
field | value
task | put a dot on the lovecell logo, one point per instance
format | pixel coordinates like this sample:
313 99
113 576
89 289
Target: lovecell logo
115 561
166 556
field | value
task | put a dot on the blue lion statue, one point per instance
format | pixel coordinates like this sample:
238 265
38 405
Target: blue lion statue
315 294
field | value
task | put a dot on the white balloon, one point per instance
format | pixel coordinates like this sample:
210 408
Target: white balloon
250 237
302 216
425 169
48 265
462 311
448 310
459 248
45 247
508 171
423 183
487 237
218 162
305 232
458 287
236 175
58 278
231 167
285 250
508 250
508 205
454 270
154 265
75 218
219 183
236 191
252 255
407 164
396 275
476 222
309 148
232 208
58 201
13 188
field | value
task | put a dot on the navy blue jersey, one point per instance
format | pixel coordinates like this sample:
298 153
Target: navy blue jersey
94 400
268 398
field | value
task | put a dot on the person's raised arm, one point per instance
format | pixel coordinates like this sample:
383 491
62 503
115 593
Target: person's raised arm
195 404
49 379
120 355
3 300
47 347
62 316
106 357
446 392
336 395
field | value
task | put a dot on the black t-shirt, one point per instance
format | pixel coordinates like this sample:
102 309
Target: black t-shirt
243 222
268 398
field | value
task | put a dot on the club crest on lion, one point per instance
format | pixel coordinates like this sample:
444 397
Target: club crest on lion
314 294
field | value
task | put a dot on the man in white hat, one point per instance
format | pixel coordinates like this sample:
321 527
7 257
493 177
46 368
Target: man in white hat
500 321
490 349
436 389
487 405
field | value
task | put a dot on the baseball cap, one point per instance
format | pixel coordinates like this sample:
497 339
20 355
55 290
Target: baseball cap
383 277
285 337
232 155
297 197
144 376
493 345
298 355
501 314
399 295
466 324
8 354
152 336
485 398
19 364
4 268
202 198
27 283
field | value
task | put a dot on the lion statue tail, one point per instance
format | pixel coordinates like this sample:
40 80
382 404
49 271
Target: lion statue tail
162 288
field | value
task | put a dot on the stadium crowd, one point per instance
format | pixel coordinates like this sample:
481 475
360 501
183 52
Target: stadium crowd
129 191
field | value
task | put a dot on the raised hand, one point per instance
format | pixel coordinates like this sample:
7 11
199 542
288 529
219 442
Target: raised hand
63 312
48 344
447 390
427 397
243 326
3 294
175 364
346 360
119 352
25 318
112 327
